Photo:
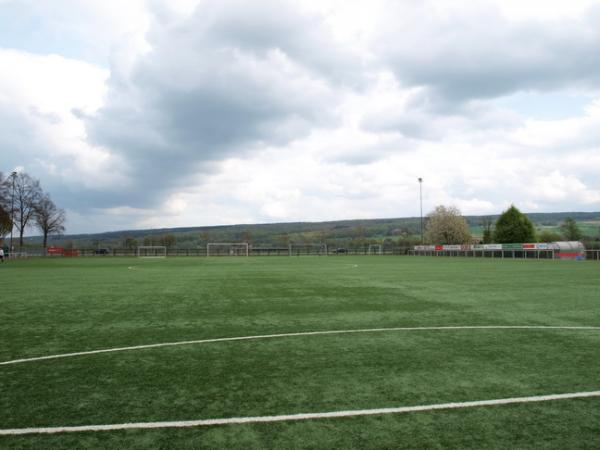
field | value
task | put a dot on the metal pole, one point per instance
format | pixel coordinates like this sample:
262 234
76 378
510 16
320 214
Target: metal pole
421 203
12 213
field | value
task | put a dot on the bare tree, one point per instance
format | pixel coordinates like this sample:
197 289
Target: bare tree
5 223
205 237
5 220
27 194
246 236
48 217
5 192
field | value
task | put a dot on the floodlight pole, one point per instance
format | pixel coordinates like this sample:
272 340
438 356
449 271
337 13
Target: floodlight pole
421 203
12 212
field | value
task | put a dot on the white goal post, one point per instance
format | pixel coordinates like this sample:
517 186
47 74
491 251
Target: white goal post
375 249
227 249
151 251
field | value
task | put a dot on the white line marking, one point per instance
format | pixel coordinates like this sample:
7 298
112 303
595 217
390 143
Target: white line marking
304 333
291 417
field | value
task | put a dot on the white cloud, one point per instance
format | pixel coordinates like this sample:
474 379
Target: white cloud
42 98
87 30
200 112
555 187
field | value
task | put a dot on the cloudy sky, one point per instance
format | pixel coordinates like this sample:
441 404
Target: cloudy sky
163 113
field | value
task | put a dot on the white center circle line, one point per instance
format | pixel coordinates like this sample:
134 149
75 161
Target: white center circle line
303 333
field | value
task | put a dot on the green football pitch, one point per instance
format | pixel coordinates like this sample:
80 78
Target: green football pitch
62 306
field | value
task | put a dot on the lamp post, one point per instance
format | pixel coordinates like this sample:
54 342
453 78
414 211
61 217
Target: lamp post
421 203
12 212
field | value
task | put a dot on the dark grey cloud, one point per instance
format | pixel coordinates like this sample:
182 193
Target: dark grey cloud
24 145
230 78
477 53
261 26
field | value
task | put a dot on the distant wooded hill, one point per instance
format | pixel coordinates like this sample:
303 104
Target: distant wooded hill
336 233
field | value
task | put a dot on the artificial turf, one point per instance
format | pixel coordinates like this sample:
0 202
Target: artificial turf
50 306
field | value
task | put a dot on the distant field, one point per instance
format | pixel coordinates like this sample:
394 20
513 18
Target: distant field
57 306
591 228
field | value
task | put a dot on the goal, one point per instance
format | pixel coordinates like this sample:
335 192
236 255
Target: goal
308 249
375 249
16 255
227 249
151 251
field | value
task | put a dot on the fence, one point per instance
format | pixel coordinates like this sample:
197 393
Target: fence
501 254
299 250
592 255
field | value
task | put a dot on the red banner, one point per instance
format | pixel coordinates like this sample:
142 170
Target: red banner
55 250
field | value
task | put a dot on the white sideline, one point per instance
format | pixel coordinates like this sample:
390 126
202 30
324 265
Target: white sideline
304 333
291 417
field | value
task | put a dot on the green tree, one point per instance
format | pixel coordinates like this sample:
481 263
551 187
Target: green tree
570 230
169 240
359 240
487 236
306 238
487 230
513 227
283 240
548 236
130 242
445 225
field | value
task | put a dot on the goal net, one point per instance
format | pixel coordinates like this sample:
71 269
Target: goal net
375 249
308 249
152 251
227 249
16 255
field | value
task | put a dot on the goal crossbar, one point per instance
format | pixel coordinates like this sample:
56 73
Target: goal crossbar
231 248
151 251
305 249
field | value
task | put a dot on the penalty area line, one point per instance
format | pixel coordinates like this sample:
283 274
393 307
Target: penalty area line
296 417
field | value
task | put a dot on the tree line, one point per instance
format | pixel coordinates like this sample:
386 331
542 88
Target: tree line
24 204
446 225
